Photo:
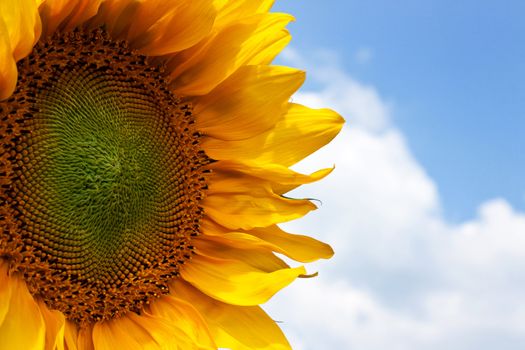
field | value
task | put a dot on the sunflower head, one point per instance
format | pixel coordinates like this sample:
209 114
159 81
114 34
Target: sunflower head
146 148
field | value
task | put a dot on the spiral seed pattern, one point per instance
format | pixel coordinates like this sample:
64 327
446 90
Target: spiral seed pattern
101 177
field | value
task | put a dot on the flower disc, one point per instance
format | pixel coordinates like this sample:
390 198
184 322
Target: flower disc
102 177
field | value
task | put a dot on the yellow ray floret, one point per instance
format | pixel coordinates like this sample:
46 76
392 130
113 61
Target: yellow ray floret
22 325
236 327
248 103
300 132
236 282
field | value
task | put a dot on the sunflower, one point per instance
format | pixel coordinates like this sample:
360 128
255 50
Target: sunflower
146 147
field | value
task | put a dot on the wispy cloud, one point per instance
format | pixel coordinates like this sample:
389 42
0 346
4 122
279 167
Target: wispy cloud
403 277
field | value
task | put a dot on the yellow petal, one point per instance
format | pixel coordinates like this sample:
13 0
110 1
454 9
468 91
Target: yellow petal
182 314
231 11
161 27
67 14
258 208
122 333
281 178
269 49
236 282
78 339
299 133
258 256
55 326
5 290
248 103
115 17
240 240
23 25
53 12
70 335
8 71
234 327
84 10
167 336
23 326
201 68
298 247
85 338
242 201
20 28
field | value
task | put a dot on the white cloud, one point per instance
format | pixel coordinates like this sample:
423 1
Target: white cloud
402 277
334 315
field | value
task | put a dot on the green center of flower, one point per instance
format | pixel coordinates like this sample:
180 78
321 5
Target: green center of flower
103 177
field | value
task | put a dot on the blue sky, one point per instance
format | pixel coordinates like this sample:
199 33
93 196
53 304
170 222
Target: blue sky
453 72
426 206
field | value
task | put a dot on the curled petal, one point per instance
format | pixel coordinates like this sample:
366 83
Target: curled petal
235 282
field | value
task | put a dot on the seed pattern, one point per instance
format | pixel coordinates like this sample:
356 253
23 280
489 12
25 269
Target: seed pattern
101 177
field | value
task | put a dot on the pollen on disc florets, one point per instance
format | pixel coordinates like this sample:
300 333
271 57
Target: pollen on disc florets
101 177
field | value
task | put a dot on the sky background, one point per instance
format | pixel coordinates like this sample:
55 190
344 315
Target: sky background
426 207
